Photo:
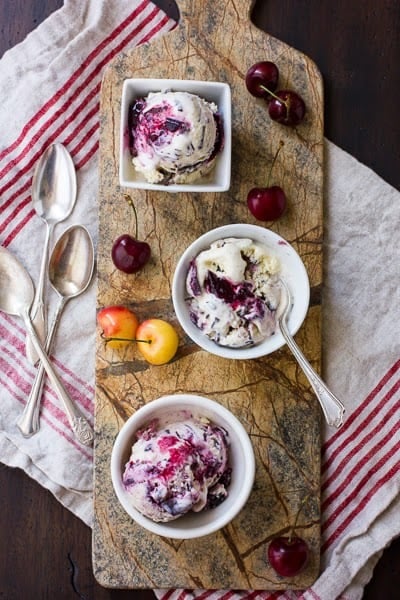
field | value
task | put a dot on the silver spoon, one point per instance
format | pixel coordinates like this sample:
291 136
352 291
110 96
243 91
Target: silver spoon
16 297
332 408
70 272
53 198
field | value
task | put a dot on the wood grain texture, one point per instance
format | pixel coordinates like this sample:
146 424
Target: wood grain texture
270 395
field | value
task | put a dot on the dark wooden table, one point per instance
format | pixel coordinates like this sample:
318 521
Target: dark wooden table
45 551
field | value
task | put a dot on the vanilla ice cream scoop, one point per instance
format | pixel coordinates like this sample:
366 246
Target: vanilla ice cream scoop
178 467
175 136
234 292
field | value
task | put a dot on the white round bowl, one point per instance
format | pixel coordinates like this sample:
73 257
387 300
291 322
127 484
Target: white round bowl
293 272
241 455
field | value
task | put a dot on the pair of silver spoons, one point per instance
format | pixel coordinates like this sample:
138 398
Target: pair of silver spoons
70 269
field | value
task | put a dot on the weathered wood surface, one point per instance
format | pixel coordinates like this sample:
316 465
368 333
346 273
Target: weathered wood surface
270 396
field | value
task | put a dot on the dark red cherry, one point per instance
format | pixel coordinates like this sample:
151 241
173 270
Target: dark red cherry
267 203
264 74
287 107
128 254
288 555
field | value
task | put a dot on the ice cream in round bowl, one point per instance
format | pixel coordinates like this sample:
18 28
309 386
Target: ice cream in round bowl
227 290
182 466
175 135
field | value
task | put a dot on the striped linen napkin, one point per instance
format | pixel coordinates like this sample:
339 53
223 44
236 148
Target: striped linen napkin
49 86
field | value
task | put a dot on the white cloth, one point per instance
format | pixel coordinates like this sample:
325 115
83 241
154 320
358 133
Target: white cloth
49 85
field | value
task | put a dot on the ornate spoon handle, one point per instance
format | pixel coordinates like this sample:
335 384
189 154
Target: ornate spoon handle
332 408
79 424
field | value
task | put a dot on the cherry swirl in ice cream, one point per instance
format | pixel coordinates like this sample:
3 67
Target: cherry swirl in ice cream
175 137
234 292
178 467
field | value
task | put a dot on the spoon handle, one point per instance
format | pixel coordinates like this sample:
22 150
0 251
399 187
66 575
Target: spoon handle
79 424
28 422
332 408
38 312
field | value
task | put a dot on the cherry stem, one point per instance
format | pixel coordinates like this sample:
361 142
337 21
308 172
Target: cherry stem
281 143
130 202
117 339
291 534
285 102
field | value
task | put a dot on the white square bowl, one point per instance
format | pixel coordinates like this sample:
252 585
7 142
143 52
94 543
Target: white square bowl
218 180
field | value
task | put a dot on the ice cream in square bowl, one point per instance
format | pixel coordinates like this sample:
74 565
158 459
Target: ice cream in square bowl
183 466
175 135
228 294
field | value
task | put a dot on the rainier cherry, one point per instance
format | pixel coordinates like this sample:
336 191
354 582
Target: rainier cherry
156 339
267 203
262 75
128 253
118 324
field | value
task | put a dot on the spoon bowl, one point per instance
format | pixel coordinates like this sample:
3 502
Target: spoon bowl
16 287
72 262
53 197
54 185
70 271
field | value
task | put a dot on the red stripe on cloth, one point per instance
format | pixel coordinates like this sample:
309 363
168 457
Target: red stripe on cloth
348 423
86 138
93 113
13 392
68 84
167 594
227 595
371 493
313 594
19 346
363 443
14 376
11 217
24 386
204 595
27 186
88 156
60 112
365 479
19 228
376 412
51 139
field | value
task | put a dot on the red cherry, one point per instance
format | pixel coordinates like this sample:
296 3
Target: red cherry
287 107
288 555
264 74
128 254
267 204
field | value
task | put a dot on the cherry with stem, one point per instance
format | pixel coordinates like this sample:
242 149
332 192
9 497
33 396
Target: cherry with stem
128 253
267 203
288 555
285 107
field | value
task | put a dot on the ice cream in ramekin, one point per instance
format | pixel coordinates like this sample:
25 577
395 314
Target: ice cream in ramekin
177 466
174 136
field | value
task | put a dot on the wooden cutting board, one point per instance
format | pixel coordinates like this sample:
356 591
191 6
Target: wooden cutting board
215 41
